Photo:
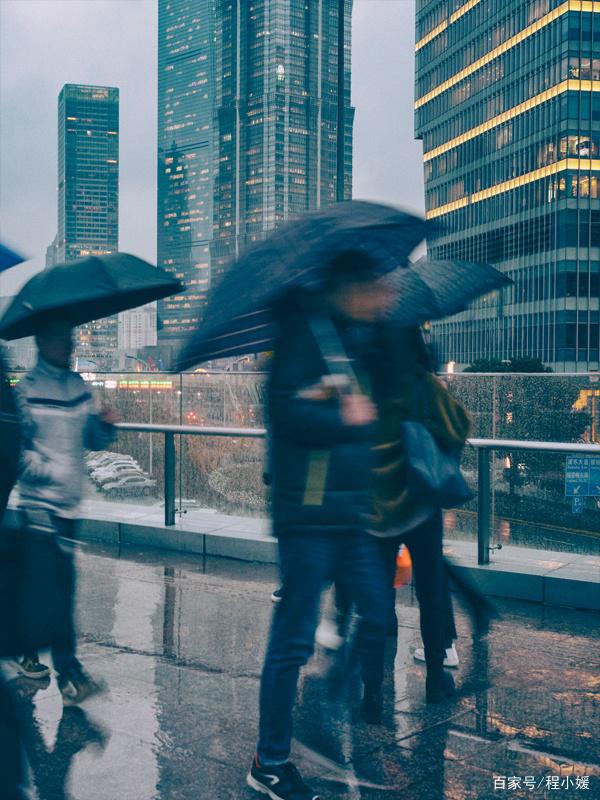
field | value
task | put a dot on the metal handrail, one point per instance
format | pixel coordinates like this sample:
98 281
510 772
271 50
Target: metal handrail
526 444
193 430
484 448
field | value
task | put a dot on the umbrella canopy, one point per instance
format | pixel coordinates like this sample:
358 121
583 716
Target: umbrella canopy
296 255
8 258
84 290
435 289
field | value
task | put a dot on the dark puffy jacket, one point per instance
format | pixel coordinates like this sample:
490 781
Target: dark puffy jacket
321 469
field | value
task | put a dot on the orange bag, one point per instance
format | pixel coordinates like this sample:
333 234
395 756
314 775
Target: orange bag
403 567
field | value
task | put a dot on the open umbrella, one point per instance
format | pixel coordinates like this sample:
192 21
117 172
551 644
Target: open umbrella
296 255
434 289
84 290
8 258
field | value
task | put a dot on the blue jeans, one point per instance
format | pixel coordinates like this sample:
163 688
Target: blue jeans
310 561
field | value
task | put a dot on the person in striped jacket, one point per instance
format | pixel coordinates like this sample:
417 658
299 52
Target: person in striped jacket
60 422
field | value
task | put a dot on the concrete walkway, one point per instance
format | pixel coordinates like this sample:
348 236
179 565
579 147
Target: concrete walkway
180 639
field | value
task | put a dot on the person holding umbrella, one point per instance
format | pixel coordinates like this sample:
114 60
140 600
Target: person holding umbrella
60 420
421 433
313 293
321 442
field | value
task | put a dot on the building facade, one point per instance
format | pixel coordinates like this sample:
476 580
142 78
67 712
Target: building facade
186 84
277 116
137 329
247 131
88 193
508 109
52 253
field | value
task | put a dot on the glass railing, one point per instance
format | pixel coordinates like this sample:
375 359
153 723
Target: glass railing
534 497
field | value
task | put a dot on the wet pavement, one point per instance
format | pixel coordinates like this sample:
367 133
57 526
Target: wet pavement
179 641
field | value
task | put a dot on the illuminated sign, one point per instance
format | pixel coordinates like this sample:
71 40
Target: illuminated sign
145 384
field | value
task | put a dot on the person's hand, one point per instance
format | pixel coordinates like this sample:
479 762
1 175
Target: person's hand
357 409
108 415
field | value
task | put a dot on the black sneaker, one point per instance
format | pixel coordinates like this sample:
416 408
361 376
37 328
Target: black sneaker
280 782
32 668
277 595
372 706
439 688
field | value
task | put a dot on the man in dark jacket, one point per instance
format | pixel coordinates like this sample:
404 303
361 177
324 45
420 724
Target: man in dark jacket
321 437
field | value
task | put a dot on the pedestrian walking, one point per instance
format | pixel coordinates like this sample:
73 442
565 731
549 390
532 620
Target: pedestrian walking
321 444
410 392
59 421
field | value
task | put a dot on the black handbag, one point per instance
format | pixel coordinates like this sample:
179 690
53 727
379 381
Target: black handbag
434 474
35 585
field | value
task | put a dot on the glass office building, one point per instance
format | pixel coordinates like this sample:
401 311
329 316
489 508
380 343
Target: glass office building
277 146
508 109
88 194
185 159
247 132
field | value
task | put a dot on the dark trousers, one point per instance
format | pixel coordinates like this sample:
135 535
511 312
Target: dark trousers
64 651
12 773
431 584
309 562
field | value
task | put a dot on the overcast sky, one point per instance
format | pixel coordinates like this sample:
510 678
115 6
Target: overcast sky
47 43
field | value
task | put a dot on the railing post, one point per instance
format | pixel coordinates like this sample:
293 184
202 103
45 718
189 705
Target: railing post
483 506
169 478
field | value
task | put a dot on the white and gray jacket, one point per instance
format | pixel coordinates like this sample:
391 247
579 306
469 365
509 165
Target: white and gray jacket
60 421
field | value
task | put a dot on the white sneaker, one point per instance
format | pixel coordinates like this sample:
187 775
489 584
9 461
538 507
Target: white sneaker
327 635
451 659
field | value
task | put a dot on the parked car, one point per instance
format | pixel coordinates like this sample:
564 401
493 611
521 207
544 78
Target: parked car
107 477
106 459
114 465
130 485
95 457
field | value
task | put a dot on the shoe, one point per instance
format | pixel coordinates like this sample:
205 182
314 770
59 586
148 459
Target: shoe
280 782
77 686
450 660
27 690
277 595
439 688
372 706
327 635
32 668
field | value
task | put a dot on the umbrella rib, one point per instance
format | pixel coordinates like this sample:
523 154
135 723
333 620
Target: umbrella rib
237 332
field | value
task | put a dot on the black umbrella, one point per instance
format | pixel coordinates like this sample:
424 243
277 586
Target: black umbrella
84 290
296 255
435 289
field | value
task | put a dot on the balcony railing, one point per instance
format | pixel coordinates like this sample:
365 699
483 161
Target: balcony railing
528 504
483 447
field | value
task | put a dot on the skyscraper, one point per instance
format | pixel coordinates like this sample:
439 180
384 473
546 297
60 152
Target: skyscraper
508 109
88 192
247 130
185 158
277 111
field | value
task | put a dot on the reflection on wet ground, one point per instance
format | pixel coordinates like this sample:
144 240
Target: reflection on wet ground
180 641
